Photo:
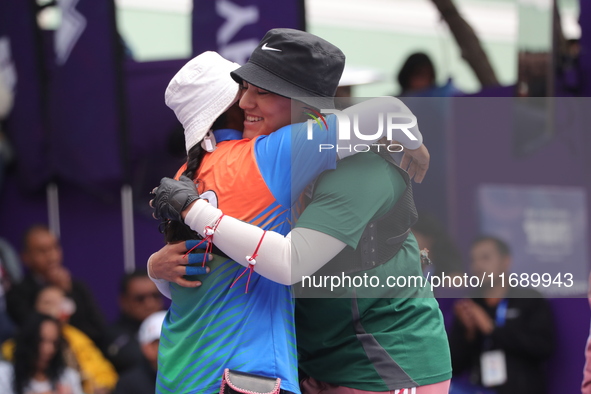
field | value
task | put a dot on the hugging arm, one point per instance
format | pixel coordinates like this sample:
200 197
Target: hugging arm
282 259
400 126
162 284
304 251
305 150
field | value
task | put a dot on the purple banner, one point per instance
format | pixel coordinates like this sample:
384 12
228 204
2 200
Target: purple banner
233 28
155 152
546 228
85 99
21 71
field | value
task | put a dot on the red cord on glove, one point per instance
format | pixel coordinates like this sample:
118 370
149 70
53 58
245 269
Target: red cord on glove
251 263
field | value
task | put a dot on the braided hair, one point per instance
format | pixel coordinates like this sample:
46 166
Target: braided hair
196 153
175 231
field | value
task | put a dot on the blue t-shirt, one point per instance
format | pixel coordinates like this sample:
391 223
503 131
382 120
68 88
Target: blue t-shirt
215 326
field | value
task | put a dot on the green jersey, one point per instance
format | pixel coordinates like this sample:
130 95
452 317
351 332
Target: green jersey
373 344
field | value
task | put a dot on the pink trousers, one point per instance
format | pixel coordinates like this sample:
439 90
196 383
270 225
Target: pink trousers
312 386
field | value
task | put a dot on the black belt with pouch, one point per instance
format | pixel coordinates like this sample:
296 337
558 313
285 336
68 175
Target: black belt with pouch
236 382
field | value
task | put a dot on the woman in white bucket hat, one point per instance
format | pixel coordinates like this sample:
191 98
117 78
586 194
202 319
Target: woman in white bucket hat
251 180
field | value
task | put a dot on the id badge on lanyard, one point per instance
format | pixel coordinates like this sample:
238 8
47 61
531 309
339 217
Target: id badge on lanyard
493 365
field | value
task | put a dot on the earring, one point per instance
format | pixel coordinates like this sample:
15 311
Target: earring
209 142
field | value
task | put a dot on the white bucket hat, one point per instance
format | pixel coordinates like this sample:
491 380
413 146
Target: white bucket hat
200 92
151 327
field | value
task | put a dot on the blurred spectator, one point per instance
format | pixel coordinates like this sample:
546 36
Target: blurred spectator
10 263
417 77
138 298
10 273
6 102
569 69
42 256
443 253
505 336
97 374
6 155
6 325
417 73
586 386
38 365
142 378
6 97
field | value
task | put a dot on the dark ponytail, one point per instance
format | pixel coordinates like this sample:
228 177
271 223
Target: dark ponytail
177 231
194 159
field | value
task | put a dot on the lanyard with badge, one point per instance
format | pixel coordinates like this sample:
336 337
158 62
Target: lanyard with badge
493 366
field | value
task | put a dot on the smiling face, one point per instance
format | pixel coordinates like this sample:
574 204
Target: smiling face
264 112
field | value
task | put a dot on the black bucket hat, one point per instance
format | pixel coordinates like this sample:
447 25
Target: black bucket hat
296 65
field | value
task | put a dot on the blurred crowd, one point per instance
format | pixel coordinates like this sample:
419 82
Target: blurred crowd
54 334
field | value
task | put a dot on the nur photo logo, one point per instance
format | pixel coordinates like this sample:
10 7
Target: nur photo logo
350 125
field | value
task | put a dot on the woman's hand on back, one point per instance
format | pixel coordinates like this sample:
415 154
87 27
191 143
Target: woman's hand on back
173 263
416 162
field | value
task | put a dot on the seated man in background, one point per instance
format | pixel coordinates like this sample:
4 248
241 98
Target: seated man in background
504 336
42 256
142 378
97 374
138 298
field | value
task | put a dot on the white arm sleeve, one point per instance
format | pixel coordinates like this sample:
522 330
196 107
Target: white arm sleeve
364 117
162 285
282 259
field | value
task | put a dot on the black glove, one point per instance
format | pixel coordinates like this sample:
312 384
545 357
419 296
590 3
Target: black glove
173 197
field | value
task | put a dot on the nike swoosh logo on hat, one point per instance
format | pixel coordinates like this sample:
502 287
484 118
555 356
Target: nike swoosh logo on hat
266 48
